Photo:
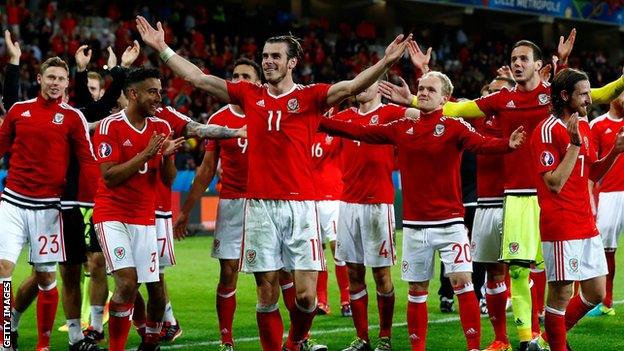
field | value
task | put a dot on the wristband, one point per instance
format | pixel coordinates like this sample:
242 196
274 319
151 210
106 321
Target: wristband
167 54
414 102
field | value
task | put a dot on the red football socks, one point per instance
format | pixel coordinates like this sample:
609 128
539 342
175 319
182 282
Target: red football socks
555 327
417 319
270 328
47 303
118 325
321 287
385 306
359 308
226 306
342 276
469 315
496 300
608 300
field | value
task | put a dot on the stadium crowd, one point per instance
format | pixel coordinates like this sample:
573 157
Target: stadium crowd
207 34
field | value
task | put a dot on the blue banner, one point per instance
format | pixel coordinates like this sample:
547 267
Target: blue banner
610 12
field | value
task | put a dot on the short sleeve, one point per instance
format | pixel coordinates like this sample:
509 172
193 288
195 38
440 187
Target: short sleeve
546 155
106 147
320 95
489 104
177 120
237 92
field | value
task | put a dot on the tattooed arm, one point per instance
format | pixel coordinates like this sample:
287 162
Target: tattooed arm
212 131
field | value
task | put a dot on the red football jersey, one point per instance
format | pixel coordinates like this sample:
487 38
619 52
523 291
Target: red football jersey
232 153
604 130
280 130
133 200
40 136
490 183
367 169
177 121
516 108
430 152
567 215
326 155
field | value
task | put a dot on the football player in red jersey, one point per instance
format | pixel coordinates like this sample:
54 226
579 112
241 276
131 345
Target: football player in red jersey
609 216
565 159
366 228
134 151
433 208
30 210
281 228
229 227
525 105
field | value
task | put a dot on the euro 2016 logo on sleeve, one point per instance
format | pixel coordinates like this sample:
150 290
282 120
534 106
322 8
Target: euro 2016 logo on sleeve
120 253
439 130
250 256
573 264
104 150
547 158
293 105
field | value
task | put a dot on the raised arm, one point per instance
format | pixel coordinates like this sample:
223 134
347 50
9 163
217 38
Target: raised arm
203 176
343 89
213 131
155 38
372 134
11 77
609 92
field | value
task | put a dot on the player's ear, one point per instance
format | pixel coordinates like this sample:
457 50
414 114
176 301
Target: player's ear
565 96
39 77
292 63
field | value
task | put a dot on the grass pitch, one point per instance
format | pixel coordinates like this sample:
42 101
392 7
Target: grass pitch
193 281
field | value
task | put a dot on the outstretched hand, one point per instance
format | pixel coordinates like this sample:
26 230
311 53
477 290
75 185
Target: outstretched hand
419 59
112 58
155 38
400 95
395 50
516 139
82 57
565 46
170 146
130 54
13 48
572 126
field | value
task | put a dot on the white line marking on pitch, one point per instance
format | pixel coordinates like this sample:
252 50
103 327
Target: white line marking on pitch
317 332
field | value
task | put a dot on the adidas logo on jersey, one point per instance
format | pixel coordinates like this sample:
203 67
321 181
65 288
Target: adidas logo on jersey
260 103
608 131
410 131
511 104
26 113
471 331
127 143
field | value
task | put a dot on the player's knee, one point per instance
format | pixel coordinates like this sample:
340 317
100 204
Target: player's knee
517 272
6 268
419 287
460 279
126 289
70 275
384 282
306 299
